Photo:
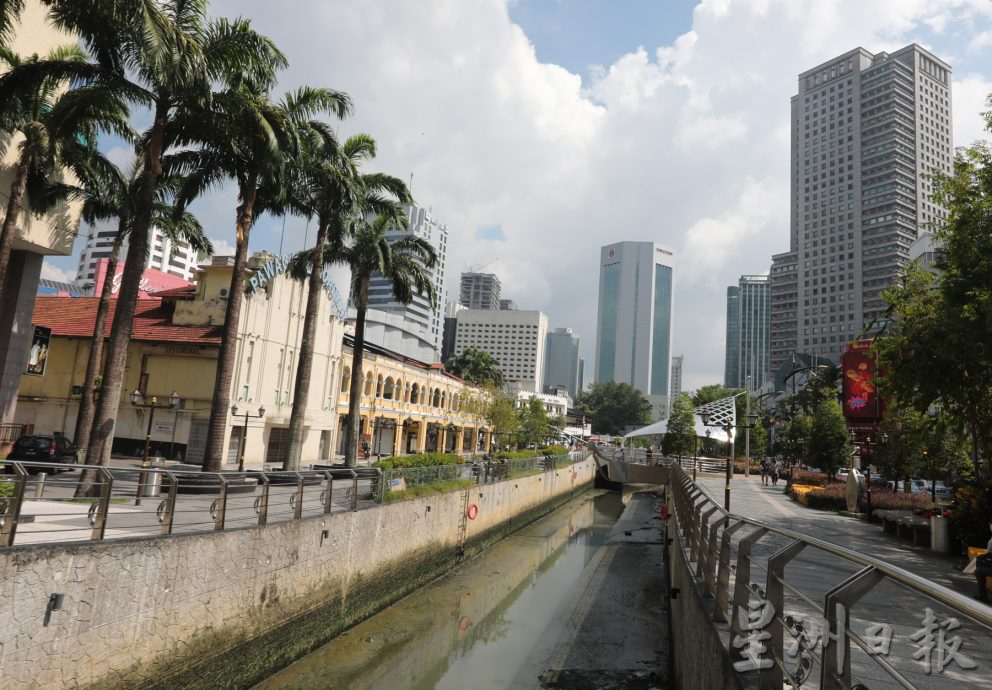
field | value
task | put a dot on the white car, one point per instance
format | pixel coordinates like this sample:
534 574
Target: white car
842 475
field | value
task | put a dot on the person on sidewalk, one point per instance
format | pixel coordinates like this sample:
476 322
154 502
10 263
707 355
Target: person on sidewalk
775 469
764 472
982 568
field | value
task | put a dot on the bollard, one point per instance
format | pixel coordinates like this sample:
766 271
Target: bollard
39 484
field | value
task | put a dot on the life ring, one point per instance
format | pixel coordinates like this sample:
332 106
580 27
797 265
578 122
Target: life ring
463 624
473 511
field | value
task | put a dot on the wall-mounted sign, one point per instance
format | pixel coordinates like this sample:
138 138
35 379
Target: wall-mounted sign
278 265
38 356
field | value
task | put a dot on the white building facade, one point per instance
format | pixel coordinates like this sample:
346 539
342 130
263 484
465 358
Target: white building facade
516 339
176 258
634 323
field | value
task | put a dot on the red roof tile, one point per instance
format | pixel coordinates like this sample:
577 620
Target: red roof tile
74 317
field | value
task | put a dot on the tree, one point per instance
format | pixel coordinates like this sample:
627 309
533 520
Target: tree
758 440
475 366
165 56
533 427
556 426
680 437
614 405
327 184
56 106
501 415
795 438
404 263
829 448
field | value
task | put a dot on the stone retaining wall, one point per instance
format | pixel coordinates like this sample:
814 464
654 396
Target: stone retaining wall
224 609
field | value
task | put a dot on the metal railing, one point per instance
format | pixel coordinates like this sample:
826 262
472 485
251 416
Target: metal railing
799 628
480 471
39 502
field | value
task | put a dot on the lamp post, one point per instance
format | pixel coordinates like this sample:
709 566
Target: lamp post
867 444
728 427
244 432
137 400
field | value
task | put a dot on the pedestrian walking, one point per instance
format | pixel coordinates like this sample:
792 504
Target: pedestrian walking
775 470
764 472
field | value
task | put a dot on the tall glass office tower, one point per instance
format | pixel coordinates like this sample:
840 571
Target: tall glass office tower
634 325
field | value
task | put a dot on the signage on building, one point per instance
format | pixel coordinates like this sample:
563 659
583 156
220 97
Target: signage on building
152 280
38 356
277 265
163 428
861 399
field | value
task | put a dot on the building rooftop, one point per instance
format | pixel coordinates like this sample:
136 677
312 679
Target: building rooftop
74 317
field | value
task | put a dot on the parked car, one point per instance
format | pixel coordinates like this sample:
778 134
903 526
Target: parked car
842 475
41 448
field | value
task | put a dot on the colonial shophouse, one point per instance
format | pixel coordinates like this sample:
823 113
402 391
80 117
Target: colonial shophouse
174 349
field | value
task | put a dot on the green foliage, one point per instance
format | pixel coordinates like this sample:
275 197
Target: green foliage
614 405
830 497
759 440
412 492
501 415
794 438
680 438
475 366
829 448
533 427
554 449
515 454
6 489
972 515
419 460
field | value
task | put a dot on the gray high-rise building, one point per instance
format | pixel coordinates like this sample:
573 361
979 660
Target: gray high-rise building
634 324
748 332
561 361
676 379
420 313
731 353
867 131
479 291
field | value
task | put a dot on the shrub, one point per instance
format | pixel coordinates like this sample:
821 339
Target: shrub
831 497
419 460
800 491
891 500
809 478
515 454
972 513
553 449
6 489
419 490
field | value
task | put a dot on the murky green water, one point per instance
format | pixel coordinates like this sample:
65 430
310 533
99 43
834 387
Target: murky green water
490 623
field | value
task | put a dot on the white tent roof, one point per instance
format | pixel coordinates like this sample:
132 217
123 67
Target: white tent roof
720 411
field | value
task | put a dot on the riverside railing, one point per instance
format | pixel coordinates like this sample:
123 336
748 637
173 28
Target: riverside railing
39 502
479 470
825 614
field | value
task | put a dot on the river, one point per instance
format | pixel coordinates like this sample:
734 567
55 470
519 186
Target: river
490 623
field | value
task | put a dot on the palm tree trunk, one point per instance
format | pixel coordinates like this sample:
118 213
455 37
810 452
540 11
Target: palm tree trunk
14 204
84 418
102 434
304 366
220 406
357 355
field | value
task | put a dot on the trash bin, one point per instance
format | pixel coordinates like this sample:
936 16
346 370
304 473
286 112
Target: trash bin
940 534
151 484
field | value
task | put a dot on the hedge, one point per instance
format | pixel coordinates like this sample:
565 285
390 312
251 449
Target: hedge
419 460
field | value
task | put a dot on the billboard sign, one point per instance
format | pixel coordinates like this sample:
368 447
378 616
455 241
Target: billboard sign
152 280
861 399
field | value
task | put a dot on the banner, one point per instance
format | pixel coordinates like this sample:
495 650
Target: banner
38 357
860 392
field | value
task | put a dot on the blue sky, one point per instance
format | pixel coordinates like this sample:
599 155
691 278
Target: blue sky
540 130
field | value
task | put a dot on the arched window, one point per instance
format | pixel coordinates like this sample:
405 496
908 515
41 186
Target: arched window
378 386
346 380
444 400
414 393
387 391
436 401
454 402
406 392
368 383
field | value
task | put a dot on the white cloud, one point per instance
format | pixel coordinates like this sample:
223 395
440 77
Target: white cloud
53 272
685 144
222 247
970 93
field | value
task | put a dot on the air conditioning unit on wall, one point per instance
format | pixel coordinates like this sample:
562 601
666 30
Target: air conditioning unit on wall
223 293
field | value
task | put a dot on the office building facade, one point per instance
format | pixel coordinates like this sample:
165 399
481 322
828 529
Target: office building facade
867 131
676 380
515 338
424 317
479 291
176 258
634 321
750 325
561 361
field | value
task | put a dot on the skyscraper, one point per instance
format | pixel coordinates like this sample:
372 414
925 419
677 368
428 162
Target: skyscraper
429 318
676 379
748 332
867 130
634 325
175 258
479 291
732 352
561 361
515 338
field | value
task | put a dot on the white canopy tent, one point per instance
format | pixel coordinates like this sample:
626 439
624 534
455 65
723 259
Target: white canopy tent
720 412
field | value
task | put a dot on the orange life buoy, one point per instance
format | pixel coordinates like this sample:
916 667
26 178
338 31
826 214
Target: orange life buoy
463 624
472 512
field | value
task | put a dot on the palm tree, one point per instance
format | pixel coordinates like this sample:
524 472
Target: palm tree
248 138
57 108
330 187
166 56
404 264
475 366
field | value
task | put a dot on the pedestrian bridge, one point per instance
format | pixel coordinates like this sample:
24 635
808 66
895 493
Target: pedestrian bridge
630 466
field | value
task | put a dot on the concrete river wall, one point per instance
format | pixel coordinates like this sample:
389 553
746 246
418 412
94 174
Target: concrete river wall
224 609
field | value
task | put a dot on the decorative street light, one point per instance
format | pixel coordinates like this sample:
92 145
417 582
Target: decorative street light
137 400
244 431
728 427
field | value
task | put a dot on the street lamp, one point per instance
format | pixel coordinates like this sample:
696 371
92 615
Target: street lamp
136 400
867 444
244 431
728 427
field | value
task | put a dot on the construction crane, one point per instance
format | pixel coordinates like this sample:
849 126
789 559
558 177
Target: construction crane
476 269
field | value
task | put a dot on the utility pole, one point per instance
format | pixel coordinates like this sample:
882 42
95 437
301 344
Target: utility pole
747 430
